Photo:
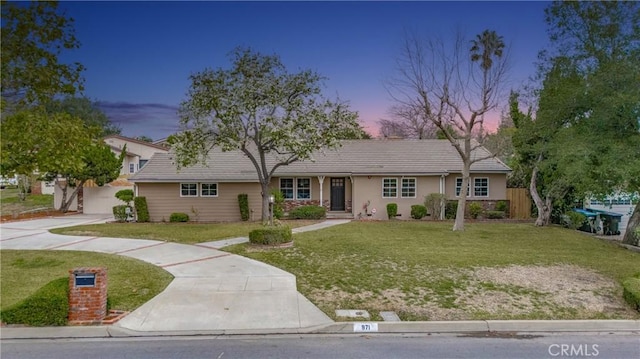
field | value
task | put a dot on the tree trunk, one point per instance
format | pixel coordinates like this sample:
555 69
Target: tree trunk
634 222
66 203
265 202
544 207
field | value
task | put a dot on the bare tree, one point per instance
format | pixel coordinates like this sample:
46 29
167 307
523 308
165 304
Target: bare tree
453 85
407 122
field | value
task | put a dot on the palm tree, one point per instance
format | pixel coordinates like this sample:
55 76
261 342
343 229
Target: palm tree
485 46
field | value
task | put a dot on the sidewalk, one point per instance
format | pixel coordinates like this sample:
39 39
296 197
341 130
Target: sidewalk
212 290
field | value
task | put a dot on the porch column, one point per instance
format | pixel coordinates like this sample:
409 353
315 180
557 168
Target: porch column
442 191
321 180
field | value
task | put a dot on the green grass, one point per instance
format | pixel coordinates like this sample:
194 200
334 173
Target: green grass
426 262
131 282
11 203
187 233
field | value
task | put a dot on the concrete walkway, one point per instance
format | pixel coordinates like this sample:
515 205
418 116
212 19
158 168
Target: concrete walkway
212 290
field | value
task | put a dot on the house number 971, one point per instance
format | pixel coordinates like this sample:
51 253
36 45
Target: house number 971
365 327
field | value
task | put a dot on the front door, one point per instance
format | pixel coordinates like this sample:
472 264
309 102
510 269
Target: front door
337 194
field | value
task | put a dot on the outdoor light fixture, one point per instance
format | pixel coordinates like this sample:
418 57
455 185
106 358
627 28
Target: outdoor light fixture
272 199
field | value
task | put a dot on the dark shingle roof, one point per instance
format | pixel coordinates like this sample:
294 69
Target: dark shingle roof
355 157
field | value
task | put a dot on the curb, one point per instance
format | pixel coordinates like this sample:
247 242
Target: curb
344 328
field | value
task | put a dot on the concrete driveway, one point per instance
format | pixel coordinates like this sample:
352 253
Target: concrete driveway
212 290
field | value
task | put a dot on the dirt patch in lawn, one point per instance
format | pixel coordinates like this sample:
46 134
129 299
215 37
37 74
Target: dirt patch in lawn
513 292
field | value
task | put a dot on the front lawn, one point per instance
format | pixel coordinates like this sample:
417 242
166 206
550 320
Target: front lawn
186 233
131 282
424 271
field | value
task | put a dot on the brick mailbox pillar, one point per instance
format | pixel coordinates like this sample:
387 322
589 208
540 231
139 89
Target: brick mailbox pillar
87 295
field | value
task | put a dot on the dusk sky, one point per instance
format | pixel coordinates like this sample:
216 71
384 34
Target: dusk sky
139 55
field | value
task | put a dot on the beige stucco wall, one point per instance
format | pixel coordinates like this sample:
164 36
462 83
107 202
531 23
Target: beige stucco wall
497 187
100 200
164 199
369 189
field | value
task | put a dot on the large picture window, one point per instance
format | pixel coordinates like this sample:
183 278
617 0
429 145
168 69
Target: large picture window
389 188
188 190
408 188
481 187
286 187
303 188
459 186
209 189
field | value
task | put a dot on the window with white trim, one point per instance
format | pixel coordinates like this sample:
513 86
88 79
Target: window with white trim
389 188
303 188
132 167
286 187
481 187
459 186
408 189
208 189
188 190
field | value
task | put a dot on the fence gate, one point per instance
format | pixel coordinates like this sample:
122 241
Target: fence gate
519 203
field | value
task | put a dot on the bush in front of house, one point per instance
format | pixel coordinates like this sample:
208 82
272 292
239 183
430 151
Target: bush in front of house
496 214
179 217
434 202
450 209
278 204
502 206
574 220
418 211
271 235
48 306
631 292
120 213
475 209
307 212
125 195
243 202
392 210
142 211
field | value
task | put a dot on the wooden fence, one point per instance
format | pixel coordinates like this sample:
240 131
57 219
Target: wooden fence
519 203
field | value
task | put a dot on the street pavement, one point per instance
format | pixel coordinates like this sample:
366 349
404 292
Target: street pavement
212 290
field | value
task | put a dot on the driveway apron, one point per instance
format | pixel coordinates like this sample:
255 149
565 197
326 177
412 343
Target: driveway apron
211 290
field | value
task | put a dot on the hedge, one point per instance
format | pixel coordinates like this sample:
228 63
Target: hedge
125 195
179 217
392 210
48 306
271 235
120 213
307 212
243 202
496 214
142 211
631 292
418 211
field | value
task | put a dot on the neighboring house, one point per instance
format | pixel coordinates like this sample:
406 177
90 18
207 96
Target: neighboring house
361 172
100 200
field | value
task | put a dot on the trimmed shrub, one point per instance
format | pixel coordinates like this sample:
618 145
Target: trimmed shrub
307 212
434 202
179 217
278 204
125 195
450 209
271 235
243 202
392 210
142 211
574 220
418 211
631 292
496 214
120 213
502 206
48 306
475 209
